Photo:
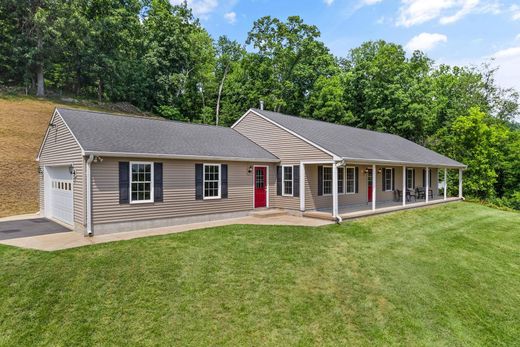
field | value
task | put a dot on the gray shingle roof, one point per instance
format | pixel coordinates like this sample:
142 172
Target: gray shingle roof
103 132
354 143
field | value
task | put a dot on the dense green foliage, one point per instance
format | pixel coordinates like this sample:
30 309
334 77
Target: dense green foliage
444 276
159 57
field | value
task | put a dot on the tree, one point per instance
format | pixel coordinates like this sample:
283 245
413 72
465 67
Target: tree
178 60
477 140
326 101
387 91
287 62
229 54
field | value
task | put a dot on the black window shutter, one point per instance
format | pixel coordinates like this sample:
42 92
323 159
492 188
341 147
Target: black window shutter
413 178
224 181
199 174
296 180
124 182
157 182
278 180
357 179
423 178
393 178
383 174
320 180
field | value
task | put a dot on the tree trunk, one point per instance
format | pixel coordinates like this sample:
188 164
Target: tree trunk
220 87
40 91
100 90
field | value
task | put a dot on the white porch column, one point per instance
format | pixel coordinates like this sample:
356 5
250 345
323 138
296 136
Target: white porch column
427 184
374 186
445 183
302 187
404 185
334 190
460 183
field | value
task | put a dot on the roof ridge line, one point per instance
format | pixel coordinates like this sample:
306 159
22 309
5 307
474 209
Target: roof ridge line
131 115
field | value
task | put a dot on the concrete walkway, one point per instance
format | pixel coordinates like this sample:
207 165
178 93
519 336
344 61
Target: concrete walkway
64 240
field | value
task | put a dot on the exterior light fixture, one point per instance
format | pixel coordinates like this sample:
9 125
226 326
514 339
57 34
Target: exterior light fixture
72 171
249 169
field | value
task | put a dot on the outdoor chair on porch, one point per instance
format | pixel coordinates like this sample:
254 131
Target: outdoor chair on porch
421 193
410 193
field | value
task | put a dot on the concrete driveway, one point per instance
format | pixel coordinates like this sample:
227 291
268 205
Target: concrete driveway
14 229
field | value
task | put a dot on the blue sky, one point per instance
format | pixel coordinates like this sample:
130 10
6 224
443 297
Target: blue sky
458 32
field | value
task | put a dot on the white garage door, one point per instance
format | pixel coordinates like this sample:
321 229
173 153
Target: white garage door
58 200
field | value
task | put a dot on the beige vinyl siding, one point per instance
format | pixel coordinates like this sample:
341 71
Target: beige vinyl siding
286 146
60 148
178 192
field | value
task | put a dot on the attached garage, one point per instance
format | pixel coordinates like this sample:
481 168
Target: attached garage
59 194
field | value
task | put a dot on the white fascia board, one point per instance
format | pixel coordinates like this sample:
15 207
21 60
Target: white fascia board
399 163
334 156
174 156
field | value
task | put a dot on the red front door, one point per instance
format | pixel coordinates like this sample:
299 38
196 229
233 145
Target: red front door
369 183
260 186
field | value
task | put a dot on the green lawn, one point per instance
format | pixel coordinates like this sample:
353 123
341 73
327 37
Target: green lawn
446 275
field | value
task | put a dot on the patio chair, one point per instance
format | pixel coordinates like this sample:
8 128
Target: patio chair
410 193
420 191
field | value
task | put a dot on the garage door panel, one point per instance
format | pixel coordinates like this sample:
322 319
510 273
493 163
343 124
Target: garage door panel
60 197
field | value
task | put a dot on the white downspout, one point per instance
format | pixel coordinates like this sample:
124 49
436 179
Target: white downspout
89 196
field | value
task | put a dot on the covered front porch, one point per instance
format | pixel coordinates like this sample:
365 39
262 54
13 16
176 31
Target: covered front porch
344 189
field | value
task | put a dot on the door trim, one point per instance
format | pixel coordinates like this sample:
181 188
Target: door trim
266 183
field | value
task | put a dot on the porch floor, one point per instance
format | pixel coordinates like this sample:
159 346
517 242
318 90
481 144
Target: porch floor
361 210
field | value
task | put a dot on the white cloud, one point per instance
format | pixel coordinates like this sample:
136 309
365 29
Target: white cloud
425 42
201 8
467 8
231 17
413 12
515 10
508 60
328 2
517 37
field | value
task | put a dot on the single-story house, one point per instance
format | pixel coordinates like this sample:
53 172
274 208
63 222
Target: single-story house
102 173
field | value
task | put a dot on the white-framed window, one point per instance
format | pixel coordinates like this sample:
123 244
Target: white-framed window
341 180
287 180
211 181
141 182
327 180
409 178
351 180
389 182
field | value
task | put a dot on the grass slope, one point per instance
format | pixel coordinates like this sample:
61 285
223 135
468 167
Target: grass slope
23 122
446 275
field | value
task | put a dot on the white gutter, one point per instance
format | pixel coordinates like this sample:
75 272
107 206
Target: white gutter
89 196
398 163
174 156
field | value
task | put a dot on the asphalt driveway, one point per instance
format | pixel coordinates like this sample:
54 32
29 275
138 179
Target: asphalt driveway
29 227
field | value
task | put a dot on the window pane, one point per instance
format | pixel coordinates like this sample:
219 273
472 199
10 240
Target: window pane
327 180
141 179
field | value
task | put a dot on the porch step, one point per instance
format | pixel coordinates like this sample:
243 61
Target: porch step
270 212
318 215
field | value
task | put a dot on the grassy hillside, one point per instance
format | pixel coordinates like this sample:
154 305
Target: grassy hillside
23 122
442 276
22 127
